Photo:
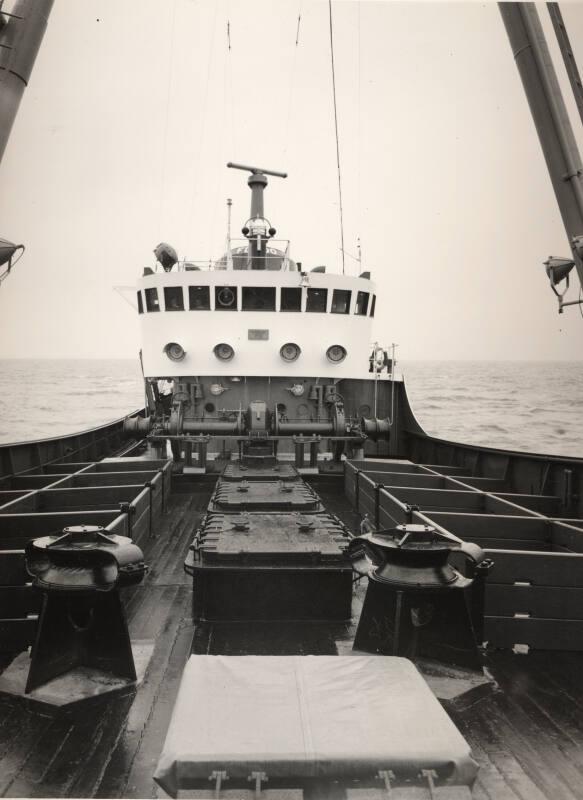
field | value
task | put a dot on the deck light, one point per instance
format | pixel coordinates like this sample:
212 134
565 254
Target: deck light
290 351
166 256
174 351
223 351
558 270
336 353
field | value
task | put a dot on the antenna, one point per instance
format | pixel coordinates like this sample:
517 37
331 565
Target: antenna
257 170
257 183
229 205
229 253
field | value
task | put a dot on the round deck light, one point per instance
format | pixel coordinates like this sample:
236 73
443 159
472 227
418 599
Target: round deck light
174 351
290 351
224 352
336 353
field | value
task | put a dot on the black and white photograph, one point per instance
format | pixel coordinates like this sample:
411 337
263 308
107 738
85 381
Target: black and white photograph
291 400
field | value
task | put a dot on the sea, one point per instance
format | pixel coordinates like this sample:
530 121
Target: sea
521 405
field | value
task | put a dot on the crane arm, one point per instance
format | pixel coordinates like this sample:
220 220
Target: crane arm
550 116
21 33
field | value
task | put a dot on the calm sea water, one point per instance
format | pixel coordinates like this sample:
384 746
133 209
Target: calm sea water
535 406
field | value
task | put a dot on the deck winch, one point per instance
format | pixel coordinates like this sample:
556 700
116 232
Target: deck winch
417 603
82 621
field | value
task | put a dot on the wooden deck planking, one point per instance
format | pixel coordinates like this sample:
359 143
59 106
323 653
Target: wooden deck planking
513 740
528 740
111 749
26 734
115 778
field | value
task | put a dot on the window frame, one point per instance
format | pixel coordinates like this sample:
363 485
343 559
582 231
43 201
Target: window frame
272 301
178 292
311 293
152 292
299 295
364 311
335 292
207 303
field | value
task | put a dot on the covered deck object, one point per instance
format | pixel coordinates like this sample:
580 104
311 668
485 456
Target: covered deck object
270 566
300 719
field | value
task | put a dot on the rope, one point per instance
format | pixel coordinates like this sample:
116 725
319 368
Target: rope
336 132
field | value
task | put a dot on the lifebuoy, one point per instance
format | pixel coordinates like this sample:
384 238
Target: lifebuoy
226 297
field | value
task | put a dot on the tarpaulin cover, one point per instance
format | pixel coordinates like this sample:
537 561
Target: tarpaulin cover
304 717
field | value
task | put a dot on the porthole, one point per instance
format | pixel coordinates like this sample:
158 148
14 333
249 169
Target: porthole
209 408
174 351
290 351
224 352
336 353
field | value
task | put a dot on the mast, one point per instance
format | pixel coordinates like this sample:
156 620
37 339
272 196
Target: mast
21 33
550 117
257 229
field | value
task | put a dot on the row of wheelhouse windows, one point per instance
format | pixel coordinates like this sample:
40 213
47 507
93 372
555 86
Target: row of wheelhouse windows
258 298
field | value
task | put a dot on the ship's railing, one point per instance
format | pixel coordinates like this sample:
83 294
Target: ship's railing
238 257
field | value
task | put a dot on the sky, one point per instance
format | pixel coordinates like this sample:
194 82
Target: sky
135 106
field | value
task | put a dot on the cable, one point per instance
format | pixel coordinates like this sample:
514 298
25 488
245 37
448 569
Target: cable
231 93
359 144
291 84
165 146
336 131
195 183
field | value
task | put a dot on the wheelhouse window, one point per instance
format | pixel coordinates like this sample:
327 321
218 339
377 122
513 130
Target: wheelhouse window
152 303
373 304
258 298
291 299
140 304
317 300
341 301
225 298
361 303
173 298
199 298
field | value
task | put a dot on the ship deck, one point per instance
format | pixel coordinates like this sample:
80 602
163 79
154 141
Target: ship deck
527 737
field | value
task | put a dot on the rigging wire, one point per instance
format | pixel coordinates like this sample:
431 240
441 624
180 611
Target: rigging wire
196 183
220 141
167 115
359 145
336 132
229 75
291 84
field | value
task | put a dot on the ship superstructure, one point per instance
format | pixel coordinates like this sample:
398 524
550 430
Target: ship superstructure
255 346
